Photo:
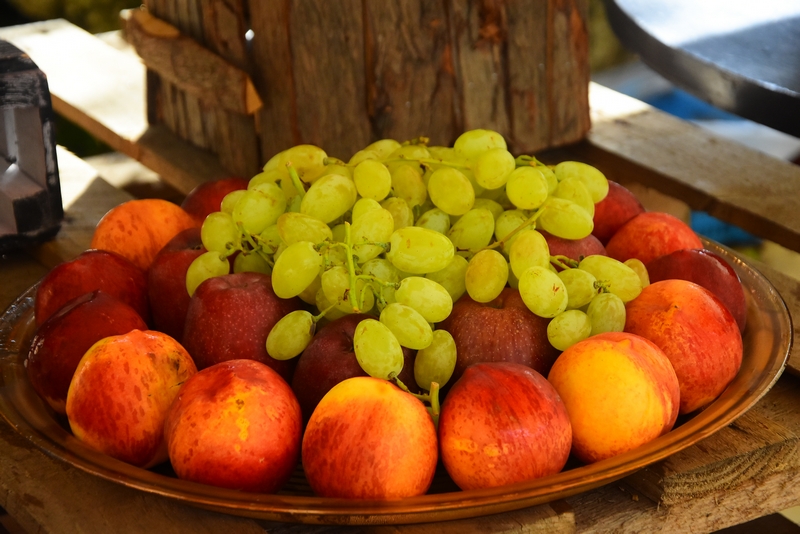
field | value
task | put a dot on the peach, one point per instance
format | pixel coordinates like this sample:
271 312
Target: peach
237 425
620 391
696 332
503 423
139 229
367 439
611 213
121 391
649 235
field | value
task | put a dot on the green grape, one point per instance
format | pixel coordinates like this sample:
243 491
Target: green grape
205 266
513 280
294 227
442 153
383 148
640 269
322 303
309 294
291 193
437 361
291 335
493 167
410 152
375 226
256 209
527 188
294 204
401 212
574 190
434 219
543 292
307 160
473 230
451 191
377 350
385 271
270 239
452 277
426 296
230 200
568 328
409 327
295 269
363 155
493 206
617 277
607 313
472 143
418 250
372 179
507 222
407 184
272 176
528 248
580 287
594 180
335 283
550 177
476 187
251 262
564 218
219 233
486 276
362 206
329 198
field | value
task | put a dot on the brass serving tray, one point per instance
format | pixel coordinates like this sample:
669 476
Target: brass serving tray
767 342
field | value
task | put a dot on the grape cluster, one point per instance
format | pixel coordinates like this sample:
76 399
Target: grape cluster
403 230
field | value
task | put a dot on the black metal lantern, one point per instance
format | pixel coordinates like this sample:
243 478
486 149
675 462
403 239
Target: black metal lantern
30 195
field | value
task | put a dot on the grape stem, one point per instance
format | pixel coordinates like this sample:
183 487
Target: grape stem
351 269
528 222
432 397
296 180
564 262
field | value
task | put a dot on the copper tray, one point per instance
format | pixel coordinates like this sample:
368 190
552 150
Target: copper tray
767 342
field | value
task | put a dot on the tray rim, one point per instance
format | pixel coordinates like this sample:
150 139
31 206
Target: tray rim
426 508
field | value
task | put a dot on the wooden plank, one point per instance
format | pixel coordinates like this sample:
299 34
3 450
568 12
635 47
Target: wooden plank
410 78
191 67
328 73
101 89
744 187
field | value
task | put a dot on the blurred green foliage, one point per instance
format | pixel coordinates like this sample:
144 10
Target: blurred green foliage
94 16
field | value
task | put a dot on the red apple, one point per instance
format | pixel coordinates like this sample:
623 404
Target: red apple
236 425
121 392
503 330
330 359
611 213
707 269
207 197
63 339
166 282
503 423
649 235
696 332
89 271
367 439
575 249
229 318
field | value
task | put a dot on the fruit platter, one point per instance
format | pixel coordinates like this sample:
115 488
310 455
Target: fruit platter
418 254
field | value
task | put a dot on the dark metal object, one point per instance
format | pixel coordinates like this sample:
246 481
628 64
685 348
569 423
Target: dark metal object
30 194
739 55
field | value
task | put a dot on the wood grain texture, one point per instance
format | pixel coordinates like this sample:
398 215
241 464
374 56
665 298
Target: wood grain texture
190 66
411 87
327 42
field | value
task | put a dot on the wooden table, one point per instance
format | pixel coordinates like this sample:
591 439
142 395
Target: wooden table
745 471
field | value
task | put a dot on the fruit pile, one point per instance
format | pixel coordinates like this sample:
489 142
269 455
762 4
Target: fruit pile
413 304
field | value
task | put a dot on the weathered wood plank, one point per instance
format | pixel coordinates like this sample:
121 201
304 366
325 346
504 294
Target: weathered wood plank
635 142
190 66
410 77
328 73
